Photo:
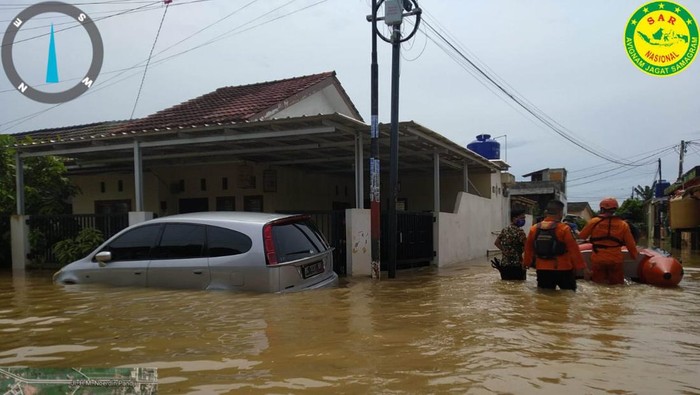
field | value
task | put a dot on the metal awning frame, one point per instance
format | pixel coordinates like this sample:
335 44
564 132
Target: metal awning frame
332 143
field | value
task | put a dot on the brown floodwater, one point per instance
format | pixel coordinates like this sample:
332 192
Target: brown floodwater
459 329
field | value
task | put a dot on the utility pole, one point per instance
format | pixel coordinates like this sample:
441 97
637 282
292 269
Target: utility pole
393 17
374 173
680 161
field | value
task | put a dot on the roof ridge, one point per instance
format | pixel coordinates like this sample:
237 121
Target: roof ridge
328 73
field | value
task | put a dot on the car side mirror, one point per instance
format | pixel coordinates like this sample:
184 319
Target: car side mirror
103 257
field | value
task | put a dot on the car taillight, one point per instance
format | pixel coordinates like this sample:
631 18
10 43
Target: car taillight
270 253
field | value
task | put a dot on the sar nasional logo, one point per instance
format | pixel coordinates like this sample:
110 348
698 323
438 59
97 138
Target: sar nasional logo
661 38
52 75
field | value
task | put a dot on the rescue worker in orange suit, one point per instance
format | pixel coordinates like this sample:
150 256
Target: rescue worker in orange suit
552 249
608 233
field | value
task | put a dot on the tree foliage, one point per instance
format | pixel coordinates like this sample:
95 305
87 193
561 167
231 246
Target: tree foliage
69 250
632 210
645 193
47 189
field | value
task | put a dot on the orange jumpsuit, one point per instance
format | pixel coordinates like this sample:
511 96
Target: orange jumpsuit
608 234
569 261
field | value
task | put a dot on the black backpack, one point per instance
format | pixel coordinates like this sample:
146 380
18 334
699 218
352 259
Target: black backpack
547 246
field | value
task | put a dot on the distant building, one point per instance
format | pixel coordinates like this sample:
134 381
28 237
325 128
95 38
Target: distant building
580 209
544 185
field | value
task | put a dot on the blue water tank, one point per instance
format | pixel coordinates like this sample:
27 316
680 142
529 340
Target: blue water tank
485 146
660 186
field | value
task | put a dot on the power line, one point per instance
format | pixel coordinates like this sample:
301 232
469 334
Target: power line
19 6
77 25
104 84
649 159
148 61
534 111
122 11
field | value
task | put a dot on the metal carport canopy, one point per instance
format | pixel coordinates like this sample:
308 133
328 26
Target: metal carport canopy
320 143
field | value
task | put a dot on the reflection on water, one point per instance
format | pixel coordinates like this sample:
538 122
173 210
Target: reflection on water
459 329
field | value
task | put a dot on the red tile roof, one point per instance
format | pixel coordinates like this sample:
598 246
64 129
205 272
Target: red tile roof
71 133
227 105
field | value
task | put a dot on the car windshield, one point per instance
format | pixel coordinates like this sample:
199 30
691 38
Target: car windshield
296 240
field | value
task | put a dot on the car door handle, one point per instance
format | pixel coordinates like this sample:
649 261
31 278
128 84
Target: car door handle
197 272
138 273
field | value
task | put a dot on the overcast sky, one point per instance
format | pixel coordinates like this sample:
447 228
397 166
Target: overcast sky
565 58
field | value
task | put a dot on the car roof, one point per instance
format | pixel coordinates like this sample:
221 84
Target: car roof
225 216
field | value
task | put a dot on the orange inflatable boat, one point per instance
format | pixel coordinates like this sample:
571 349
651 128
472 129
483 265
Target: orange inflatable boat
652 266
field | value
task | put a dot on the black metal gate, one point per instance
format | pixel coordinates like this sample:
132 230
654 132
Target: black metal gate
415 239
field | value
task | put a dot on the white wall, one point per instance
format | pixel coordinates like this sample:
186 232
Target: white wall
326 101
90 191
296 190
471 230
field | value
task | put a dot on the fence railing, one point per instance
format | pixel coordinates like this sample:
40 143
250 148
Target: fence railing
47 230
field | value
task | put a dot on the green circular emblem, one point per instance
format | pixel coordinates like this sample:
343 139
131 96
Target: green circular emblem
661 38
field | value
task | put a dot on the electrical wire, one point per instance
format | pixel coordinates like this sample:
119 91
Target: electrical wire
532 110
140 64
105 84
124 11
78 24
425 45
148 61
647 160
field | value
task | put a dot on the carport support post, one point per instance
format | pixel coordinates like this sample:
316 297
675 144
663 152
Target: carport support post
139 215
436 206
359 172
465 176
19 183
19 231
138 177
436 183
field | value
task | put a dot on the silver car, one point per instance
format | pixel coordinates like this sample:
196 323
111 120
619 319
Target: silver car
212 250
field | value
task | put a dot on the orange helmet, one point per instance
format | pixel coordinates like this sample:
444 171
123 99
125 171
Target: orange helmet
608 203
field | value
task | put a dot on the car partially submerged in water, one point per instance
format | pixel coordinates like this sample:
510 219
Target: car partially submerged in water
212 250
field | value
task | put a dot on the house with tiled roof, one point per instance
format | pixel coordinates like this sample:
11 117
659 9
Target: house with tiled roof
290 145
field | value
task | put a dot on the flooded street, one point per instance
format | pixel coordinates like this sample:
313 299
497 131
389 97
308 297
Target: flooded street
459 329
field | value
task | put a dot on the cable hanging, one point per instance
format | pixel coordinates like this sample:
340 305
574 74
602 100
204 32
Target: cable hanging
148 61
524 104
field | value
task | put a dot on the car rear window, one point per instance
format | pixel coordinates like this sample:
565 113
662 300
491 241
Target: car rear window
297 240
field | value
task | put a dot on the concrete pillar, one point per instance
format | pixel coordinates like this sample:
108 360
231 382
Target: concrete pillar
19 235
358 236
136 217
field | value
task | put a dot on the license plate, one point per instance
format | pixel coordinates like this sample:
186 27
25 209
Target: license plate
311 269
